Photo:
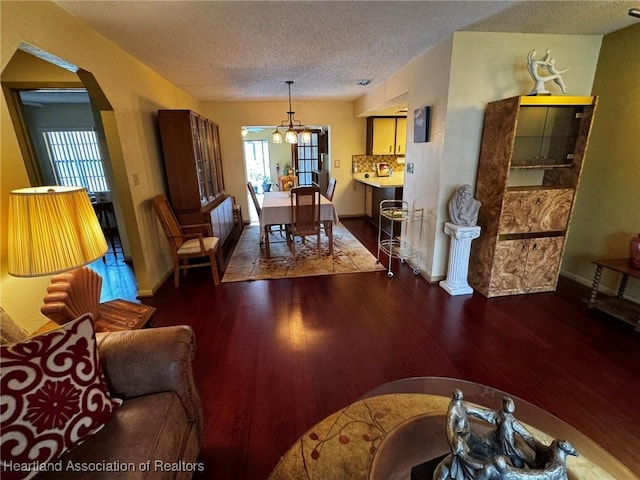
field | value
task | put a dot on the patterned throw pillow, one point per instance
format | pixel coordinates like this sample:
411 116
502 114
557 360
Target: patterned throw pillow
53 395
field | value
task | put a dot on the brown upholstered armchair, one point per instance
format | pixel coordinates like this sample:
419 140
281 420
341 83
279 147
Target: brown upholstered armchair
160 419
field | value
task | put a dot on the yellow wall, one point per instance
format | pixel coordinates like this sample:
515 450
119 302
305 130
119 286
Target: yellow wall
607 212
347 138
135 92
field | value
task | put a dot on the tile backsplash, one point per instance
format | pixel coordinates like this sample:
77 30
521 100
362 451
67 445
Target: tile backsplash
367 163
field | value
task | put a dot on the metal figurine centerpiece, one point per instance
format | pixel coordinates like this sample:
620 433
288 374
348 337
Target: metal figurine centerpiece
507 451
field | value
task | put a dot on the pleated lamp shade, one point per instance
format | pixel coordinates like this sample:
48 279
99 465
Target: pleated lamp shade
52 230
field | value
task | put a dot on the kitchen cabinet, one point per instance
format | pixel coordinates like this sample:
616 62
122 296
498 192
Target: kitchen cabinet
193 167
386 135
377 189
368 201
401 135
531 157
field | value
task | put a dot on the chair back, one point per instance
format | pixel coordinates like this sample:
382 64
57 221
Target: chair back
305 210
254 198
168 221
331 188
287 182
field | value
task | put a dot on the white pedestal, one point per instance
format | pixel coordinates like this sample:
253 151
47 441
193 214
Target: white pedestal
459 251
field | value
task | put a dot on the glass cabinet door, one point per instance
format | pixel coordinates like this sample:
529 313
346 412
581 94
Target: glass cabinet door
199 160
216 164
206 154
546 136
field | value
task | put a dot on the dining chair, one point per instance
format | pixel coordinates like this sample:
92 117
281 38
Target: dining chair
237 215
258 207
331 188
287 182
305 216
254 197
185 246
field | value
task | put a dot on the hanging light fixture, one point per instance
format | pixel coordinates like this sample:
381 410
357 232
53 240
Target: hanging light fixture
294 126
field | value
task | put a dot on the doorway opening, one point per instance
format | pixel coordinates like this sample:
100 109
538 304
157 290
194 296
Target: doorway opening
60 116
266 161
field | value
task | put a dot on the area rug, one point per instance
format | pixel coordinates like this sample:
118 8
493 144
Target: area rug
248 261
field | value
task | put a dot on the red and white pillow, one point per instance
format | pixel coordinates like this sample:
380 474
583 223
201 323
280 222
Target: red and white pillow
53 395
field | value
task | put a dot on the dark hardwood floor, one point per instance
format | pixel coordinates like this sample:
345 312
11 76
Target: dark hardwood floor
275 357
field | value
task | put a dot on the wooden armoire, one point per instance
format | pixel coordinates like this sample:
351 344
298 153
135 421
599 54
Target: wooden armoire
193 166
531 157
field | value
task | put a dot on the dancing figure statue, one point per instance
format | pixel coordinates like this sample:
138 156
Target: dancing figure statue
549 64
507 451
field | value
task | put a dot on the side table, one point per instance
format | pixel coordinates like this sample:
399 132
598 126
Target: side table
115 315
617 306
123 315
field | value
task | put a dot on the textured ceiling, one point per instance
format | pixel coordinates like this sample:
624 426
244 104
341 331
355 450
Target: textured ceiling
246 50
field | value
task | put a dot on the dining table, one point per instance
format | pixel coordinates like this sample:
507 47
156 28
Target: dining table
276 210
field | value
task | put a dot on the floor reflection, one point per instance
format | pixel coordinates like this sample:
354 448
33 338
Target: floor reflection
118 277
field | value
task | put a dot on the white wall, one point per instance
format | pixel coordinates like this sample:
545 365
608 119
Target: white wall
492 66
427 86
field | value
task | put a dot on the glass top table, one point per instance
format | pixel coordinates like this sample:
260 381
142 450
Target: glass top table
349 443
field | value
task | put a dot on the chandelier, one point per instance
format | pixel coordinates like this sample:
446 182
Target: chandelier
293 126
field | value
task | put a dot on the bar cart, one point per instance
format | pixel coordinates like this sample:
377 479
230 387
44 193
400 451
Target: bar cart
392 212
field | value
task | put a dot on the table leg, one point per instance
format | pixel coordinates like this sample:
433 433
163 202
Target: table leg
594 286
623 285
102 212
266 241
329 231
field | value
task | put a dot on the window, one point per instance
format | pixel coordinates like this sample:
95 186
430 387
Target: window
307 158
75 159
256 155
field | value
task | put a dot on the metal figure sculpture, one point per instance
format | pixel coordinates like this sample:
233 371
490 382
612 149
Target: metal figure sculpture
508 452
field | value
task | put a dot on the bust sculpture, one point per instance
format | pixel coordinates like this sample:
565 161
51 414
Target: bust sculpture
463 208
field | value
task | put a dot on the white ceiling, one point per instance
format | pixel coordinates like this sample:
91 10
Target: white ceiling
246 50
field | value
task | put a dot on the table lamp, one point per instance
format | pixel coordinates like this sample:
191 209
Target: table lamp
54 230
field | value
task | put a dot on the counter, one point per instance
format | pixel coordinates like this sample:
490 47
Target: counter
394 181
377 189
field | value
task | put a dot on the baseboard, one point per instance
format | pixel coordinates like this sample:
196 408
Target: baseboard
151 292
589 283
144 293
578 279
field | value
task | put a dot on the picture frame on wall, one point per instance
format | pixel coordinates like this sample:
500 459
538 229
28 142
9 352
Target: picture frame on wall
421 121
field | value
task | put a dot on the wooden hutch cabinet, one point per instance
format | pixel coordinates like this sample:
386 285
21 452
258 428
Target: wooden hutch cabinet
531 157
193 166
